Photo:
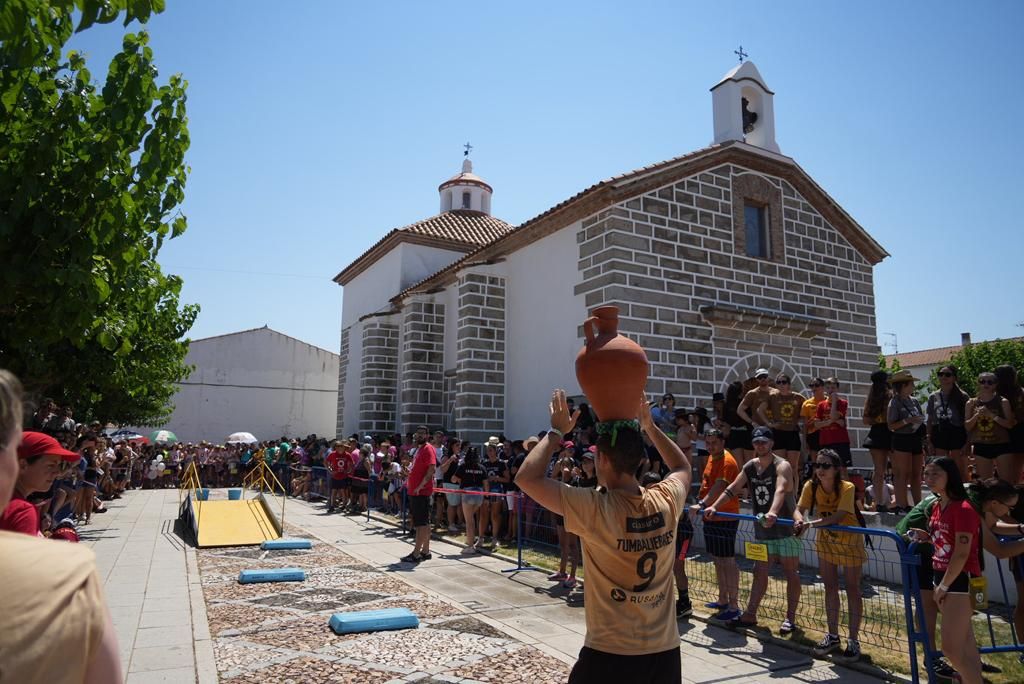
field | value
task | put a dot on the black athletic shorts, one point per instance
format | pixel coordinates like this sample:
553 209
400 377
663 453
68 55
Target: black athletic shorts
961 585
595 667
948 437
787 440
339 483
910 444
419 510
812 441
1017 438
739 438
879 437
991 451
720 537
843 450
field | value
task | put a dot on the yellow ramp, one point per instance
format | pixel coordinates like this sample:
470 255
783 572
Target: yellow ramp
233 523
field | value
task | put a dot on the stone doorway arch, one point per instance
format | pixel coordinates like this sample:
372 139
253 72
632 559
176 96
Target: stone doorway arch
743 370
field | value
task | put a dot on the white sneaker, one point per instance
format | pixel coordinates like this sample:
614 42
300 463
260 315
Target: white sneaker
468 551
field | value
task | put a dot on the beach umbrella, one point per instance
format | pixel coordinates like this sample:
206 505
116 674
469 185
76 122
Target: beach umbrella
125 435
163 437
241 438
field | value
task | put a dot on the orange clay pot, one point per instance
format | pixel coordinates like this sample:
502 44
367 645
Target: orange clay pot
611 369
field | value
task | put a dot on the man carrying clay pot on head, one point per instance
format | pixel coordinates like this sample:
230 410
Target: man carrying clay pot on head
628 537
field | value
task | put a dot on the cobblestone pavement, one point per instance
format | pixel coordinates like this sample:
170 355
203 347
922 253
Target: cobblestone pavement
278 632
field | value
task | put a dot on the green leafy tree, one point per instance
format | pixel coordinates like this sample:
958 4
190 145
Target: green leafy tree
982 357
91 178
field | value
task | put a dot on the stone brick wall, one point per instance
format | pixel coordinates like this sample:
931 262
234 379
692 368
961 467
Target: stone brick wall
480 357
342 378
378 378
422 365
706 313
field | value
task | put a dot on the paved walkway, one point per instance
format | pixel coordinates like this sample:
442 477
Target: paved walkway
153 587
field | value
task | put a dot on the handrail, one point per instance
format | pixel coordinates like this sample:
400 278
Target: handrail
258 477
191 482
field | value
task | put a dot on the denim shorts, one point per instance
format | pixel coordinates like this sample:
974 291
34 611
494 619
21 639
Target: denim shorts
471 499
453 499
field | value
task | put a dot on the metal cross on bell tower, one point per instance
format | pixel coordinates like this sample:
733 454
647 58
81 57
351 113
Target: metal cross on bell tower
468 148
740 53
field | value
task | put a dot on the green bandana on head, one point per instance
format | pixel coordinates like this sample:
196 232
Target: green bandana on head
611 427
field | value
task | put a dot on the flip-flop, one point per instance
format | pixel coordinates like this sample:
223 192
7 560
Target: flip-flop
716 606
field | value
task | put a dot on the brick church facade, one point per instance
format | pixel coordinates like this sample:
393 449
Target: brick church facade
724 260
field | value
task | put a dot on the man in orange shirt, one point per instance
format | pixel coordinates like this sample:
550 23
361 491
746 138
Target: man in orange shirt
719 532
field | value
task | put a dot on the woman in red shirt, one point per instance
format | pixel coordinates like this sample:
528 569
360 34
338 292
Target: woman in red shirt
954 530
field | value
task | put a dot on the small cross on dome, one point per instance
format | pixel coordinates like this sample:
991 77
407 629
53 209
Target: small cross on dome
740 53
468 148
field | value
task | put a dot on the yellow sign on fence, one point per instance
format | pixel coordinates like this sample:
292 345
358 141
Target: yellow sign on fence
756 552
979 592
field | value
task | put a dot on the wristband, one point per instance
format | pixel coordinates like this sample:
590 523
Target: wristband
558 432
702 504
943 587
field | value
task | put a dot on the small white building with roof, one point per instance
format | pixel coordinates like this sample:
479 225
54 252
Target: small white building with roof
259 381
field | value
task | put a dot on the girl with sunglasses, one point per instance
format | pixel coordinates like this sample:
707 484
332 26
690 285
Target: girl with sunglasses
946 434
988 419
834 501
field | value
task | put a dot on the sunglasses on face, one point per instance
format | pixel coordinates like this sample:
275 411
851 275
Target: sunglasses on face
782 382
946 374
986 382
822 466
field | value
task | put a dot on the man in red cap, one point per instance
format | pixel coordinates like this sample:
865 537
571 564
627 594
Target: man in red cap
40 460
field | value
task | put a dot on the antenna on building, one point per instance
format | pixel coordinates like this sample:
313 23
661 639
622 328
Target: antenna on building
894 343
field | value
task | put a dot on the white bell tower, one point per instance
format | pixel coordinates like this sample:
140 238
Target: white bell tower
743 108
466 191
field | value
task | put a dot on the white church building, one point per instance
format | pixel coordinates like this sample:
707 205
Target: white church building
723 260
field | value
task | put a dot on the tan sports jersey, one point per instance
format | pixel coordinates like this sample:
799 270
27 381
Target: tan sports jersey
986 430
53 601
785 408
628 550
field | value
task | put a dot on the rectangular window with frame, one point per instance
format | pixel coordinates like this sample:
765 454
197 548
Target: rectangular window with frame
756 222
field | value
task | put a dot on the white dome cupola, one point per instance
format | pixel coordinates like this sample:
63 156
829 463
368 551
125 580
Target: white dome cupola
743 108
466 191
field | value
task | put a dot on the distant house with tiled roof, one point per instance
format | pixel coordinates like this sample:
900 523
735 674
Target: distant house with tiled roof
723 260
921 363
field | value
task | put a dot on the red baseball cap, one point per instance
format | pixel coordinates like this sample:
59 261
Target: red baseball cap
42 444
568 445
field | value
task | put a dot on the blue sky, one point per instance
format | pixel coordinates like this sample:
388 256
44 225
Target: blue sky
318 126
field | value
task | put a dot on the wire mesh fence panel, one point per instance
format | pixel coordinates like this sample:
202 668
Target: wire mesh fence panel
996 597
796 588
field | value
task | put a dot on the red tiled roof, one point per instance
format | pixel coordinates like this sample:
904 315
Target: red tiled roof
628 184
460 230
930 357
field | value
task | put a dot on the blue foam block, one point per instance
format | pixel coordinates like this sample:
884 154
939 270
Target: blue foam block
274 575
234 494
374 620
287 544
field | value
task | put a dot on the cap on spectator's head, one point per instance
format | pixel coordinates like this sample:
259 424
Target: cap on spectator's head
367 438
568 444
762 434
717 396
41 444
530 442
493 441
590 452
761 373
